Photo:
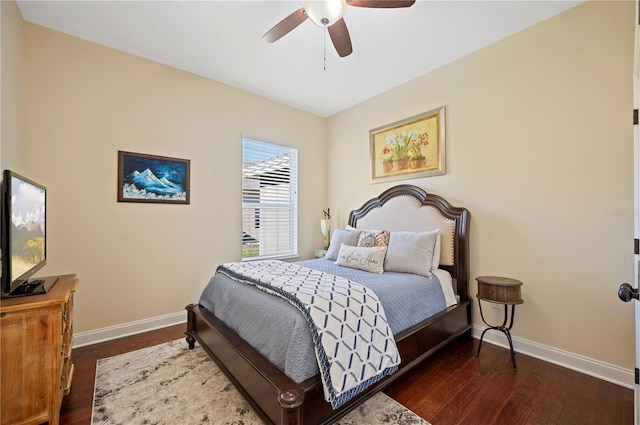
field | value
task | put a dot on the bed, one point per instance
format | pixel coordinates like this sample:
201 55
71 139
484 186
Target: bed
278 398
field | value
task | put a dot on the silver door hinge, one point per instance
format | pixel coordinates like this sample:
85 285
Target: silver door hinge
635 117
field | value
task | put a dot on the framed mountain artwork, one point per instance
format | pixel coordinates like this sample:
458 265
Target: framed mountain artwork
152 178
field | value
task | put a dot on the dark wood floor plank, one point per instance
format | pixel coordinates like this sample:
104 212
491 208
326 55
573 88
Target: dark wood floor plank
584 401
452 388
548 405
627 408
449 392
518 406
499 384
466 405
556 389
610 398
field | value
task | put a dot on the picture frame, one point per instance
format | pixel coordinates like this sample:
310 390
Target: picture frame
408 149
153 178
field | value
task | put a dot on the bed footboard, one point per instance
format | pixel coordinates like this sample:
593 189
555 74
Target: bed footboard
273 395
276 398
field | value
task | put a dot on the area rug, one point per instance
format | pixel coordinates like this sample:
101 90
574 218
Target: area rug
170 384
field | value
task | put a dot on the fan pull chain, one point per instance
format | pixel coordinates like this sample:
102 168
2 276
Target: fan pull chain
324 45
324 21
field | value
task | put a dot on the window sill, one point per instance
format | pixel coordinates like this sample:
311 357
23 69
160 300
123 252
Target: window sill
273 257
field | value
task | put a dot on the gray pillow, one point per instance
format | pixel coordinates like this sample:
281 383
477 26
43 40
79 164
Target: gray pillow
347 237
411 252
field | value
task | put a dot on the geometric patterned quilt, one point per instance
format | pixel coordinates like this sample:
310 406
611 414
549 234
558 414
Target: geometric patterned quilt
353 341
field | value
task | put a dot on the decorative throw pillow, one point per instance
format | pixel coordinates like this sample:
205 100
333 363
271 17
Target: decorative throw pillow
347 237
374 238
370 259
411 252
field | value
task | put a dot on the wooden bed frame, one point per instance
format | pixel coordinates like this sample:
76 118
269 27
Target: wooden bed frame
279 400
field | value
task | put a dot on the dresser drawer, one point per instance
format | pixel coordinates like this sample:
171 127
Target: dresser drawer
67 313
67 342
66 376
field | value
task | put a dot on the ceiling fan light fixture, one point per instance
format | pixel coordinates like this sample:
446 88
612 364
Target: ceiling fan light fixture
325 12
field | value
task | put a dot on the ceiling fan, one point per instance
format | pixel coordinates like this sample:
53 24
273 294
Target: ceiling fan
328 14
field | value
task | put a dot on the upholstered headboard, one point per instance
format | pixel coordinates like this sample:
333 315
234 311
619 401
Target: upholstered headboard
409 208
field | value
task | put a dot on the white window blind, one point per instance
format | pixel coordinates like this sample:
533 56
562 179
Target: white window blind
269 200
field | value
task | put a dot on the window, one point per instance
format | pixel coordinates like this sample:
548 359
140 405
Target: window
269 200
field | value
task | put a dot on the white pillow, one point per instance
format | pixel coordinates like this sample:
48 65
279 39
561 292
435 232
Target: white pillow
347 237
411 252
370 259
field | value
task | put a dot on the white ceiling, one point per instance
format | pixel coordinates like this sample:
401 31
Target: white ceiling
221 40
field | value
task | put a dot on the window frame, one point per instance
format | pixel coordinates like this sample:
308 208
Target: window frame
279 165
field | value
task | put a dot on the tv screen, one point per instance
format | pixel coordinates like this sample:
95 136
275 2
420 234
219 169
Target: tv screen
24 230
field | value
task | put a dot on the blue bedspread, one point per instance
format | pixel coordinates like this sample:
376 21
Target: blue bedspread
280 333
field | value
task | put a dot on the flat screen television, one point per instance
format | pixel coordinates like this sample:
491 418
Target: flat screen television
23 236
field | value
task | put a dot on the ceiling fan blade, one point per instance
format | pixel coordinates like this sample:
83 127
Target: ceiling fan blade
340 38
381 3
283 27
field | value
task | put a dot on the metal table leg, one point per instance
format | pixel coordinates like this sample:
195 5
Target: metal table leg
502 328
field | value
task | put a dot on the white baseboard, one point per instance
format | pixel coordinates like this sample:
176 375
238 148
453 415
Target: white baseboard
81 339
595 368
607 372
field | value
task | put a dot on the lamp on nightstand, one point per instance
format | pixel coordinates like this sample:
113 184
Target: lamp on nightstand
325 226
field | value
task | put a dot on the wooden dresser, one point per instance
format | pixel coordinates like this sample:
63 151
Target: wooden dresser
36 336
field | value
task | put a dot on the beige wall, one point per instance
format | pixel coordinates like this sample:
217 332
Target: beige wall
540 150
11 41
84 102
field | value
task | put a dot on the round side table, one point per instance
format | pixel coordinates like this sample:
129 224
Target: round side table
499 290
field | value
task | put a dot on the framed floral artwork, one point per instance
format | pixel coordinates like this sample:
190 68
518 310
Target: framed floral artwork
409 149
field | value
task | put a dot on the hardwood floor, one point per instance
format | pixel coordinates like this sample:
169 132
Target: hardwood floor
453 387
